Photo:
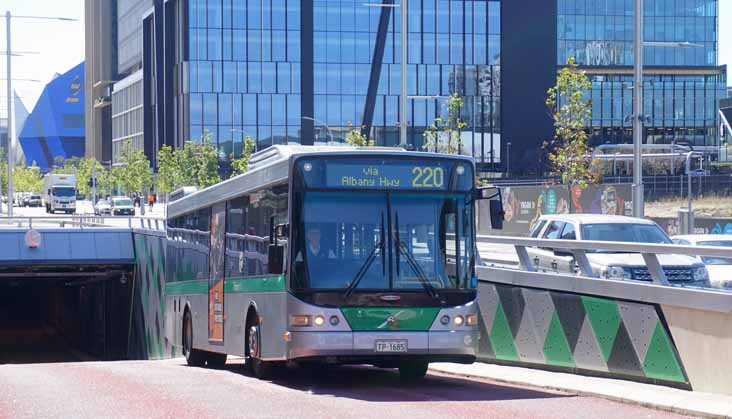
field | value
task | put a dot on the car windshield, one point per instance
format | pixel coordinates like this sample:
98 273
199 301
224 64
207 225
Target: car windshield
380 240
120 202
35 197
64 191
103 202
624 232
716 260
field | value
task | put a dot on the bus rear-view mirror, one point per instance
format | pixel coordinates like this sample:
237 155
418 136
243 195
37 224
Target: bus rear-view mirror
276 259
497 213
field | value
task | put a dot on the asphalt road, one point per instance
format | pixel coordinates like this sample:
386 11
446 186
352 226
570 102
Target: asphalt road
169 389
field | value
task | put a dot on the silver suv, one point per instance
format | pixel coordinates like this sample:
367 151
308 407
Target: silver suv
679 269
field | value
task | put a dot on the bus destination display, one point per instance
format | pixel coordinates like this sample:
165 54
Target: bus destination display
369 176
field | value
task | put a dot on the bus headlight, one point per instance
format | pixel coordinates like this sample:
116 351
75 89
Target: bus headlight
299 320
472 320
459 320
319 320
334 320
445 320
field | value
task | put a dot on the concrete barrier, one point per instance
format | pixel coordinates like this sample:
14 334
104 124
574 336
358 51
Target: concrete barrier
632 330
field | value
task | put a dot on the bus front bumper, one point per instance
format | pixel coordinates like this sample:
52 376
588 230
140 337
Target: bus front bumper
433 345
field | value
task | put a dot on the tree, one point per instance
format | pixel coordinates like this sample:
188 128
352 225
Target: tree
356 138
166 180
241 165
207 163
133 173
444 135
569 154
87 166
28 179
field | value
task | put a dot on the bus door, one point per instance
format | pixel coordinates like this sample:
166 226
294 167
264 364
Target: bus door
216 315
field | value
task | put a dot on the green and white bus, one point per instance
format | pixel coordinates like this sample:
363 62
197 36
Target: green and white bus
340 255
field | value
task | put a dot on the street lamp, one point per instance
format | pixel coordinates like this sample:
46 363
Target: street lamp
8 55
317 121
402 65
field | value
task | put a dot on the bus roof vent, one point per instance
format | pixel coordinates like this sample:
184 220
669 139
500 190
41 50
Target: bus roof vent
182 192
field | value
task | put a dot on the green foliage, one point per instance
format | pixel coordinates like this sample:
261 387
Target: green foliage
443 136
86 167
569 154
195 164
167 170
357 139
241 165
133 173
27 179
207 163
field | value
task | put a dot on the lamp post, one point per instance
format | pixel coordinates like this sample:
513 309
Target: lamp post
8 55
327 128
402 66
638 44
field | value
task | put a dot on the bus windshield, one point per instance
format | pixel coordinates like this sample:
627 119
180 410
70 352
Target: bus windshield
383 241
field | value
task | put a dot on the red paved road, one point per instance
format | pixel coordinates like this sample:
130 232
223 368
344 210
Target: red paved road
168 389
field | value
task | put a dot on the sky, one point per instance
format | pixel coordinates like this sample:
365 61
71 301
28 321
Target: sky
60 45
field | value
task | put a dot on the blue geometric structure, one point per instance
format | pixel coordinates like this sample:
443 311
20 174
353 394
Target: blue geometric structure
55 128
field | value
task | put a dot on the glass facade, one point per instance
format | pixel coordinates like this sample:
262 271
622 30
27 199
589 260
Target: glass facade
245 62
682 85
600 33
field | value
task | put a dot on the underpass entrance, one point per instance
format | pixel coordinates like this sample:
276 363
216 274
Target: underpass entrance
64 313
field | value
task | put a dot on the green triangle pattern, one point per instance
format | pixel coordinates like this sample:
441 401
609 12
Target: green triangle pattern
605 320
501 337
556 347
661 362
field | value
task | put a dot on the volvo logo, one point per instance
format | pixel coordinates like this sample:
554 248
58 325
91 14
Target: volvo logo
390 298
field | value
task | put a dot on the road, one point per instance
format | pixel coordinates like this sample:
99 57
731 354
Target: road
169 389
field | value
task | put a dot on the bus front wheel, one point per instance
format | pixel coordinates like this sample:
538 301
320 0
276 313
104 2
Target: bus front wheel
194 357
259 369
412 371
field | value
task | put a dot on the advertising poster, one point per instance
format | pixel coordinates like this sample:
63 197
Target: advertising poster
525 204
612 199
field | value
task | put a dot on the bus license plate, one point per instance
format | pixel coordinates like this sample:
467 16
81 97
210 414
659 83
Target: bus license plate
391 345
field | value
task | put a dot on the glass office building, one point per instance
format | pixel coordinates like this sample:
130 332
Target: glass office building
682 85
305 71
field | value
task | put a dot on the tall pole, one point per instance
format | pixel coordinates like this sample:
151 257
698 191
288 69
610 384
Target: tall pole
638 204
403 95
10 116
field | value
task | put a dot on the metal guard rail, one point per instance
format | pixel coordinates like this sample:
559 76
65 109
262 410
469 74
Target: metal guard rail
85 221
579 249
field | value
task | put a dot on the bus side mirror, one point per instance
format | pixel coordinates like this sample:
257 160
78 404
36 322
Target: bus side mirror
486 192
497 213
276 259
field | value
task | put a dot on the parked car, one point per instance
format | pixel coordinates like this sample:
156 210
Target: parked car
122 205
679 269
720 268
33 200
103 207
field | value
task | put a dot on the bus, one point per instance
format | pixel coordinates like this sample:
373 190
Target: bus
333 254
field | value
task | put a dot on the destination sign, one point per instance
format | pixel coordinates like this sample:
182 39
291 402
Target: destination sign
369 176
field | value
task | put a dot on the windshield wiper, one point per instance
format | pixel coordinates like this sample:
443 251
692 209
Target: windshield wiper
401 247
367 263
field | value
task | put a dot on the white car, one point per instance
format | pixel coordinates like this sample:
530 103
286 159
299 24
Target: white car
720 269
679 269
103 207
